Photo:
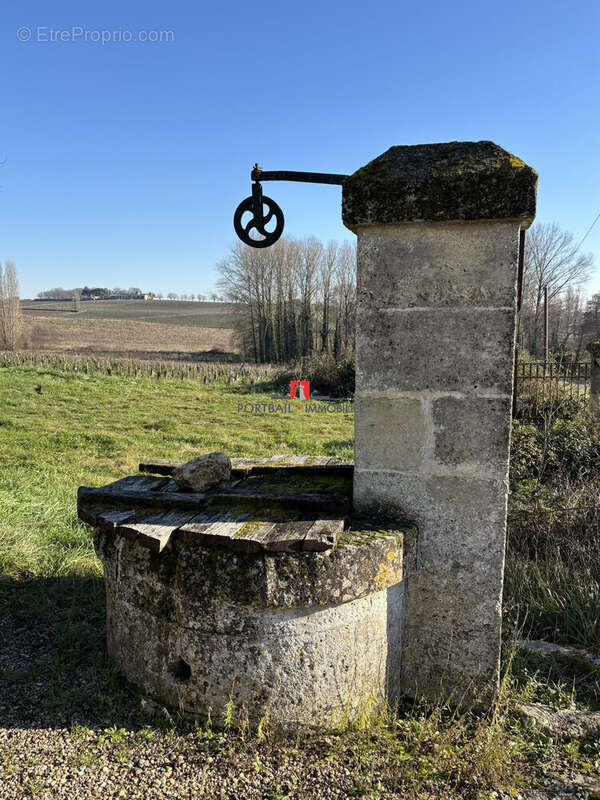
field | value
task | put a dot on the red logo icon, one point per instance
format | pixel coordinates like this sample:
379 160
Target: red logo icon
300 389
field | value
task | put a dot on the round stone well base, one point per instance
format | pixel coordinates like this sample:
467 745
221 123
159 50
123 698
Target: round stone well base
262 598
307 639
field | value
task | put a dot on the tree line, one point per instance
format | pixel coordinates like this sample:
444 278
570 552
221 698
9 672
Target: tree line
298 298
553 261
103 293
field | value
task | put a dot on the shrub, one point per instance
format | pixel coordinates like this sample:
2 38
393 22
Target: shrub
565 452
538 402
326 376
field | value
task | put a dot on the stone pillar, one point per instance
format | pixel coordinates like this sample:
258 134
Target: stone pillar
438 235
593 349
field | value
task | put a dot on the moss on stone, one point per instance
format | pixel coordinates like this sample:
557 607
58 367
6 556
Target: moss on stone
364 536
440 182
307 484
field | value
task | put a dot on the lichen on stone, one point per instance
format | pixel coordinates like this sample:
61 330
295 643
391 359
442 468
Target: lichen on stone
440 182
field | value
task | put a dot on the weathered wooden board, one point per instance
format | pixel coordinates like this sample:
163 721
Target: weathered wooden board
239 515
110 520
245 466
159 466
242 534
282 537
136 483
153 530
341 469
89 512
219 531
192 500
323 534
88 496
310 502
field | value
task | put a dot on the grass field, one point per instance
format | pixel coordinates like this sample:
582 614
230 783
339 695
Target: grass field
69 722
151 329
92 429
167 312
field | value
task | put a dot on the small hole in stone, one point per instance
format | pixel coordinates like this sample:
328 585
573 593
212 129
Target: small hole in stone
180 670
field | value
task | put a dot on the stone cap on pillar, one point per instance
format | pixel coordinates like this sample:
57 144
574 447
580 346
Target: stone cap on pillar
440 183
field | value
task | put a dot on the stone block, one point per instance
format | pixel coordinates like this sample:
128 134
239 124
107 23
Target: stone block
390 432
440 182
463 433
451 634
438 264
460 519
435 350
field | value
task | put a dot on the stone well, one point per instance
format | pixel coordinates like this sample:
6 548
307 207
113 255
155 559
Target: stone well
288 592
263 596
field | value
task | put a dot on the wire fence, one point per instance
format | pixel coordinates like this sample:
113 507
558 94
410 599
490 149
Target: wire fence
539 383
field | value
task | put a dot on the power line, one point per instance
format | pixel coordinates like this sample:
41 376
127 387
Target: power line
587 233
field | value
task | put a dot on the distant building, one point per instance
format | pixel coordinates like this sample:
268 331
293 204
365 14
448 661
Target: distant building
127 297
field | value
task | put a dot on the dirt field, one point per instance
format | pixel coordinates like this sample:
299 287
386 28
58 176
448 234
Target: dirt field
130 328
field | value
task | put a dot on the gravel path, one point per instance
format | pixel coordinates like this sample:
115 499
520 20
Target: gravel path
70 727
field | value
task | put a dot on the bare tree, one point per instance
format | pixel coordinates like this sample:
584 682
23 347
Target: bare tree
345 290
11 318
290 295
326 273
552 260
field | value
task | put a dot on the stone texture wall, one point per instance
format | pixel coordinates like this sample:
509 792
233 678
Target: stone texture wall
296 639
435 348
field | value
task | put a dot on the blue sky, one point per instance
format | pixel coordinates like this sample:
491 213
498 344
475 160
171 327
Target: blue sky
122 163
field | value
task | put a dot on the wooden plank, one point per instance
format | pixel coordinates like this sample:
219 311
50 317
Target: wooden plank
283 537
171 486
243 466
110 520
342 469
196 525
192 500
240 535
134 483
153 530
296 461
249 485
307 501
159 466
89 512
217 530
323 534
